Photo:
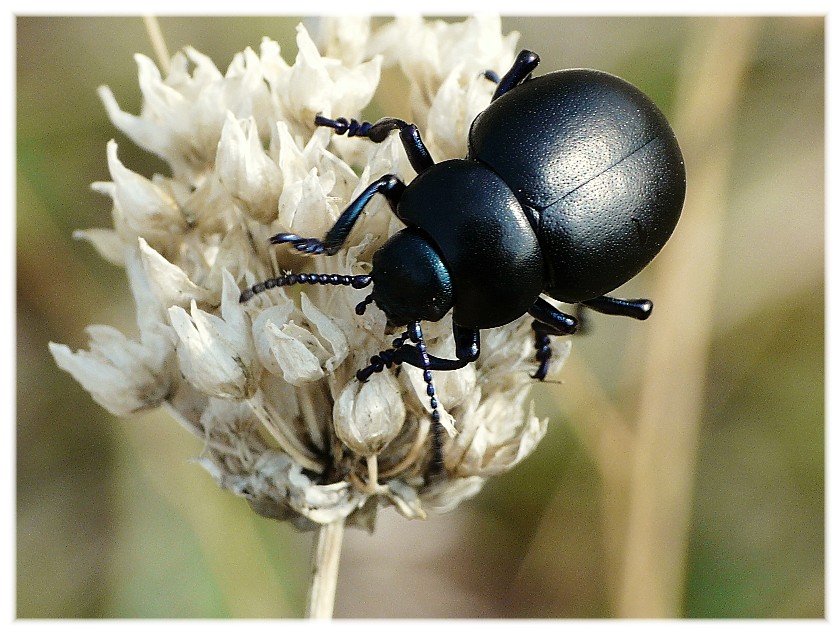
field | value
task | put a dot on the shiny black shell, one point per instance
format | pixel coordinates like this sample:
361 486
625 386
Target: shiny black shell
484 238
595 164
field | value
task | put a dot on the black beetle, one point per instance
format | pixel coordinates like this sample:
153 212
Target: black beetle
572 183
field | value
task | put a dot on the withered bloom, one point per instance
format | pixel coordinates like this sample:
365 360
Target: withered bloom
270 384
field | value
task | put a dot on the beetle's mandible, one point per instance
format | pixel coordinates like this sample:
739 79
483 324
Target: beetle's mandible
572 183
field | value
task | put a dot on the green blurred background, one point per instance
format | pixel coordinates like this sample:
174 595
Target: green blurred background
683 470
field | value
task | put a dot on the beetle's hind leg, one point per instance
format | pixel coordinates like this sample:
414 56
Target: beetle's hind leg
548 321
635 308
417 152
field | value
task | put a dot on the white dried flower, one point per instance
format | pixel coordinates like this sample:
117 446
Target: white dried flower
270 384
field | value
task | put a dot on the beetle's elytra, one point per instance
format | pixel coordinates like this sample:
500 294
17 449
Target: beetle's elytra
572 183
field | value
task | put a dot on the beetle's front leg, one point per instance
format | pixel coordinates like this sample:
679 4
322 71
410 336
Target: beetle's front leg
417 152
467 347
389 186
412 355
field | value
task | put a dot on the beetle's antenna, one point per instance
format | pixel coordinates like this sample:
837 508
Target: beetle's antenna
395 356
356 281
416 336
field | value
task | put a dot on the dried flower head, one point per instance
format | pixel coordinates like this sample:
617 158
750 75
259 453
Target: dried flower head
270 384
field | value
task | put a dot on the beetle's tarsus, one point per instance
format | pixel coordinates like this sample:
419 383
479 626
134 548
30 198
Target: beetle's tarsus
543 345
310 246
350 127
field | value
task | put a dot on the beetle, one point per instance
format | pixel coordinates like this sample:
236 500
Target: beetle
572 183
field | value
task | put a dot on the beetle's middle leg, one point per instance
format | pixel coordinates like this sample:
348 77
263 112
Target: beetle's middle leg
415 149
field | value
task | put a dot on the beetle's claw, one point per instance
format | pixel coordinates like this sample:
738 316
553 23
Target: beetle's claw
311 246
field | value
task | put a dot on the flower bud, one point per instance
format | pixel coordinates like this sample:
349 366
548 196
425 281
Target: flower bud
211 354
367 416
286 349
246 172
146 209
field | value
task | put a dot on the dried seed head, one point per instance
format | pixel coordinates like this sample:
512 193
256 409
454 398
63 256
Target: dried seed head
270 385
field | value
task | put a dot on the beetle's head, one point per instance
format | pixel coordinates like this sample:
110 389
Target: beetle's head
410 281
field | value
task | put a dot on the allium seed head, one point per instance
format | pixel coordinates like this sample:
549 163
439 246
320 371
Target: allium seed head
270 385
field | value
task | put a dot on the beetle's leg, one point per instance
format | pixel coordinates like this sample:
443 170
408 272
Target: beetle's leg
636 308
467 349
407 354
523 66
389 186
543 345
415 149
356 281
467 344
559 322
548 321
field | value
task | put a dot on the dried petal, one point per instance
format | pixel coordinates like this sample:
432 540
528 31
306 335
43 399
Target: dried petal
327 331
169 283
248 174
212 354
107 243
122 375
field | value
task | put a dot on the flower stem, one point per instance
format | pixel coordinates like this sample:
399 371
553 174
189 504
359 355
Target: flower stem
158 43
673 391
325 557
